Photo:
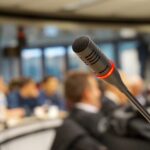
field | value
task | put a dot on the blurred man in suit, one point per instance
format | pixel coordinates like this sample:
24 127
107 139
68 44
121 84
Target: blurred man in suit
83 98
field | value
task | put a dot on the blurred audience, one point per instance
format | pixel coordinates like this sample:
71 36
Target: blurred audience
26 98
49 95
88 100
83 98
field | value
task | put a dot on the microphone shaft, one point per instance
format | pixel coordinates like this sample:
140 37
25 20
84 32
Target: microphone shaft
135 102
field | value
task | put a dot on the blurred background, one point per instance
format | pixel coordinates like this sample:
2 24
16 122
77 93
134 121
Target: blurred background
36 42
35 35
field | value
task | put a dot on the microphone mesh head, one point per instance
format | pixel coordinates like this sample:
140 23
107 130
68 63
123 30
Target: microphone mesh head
80 44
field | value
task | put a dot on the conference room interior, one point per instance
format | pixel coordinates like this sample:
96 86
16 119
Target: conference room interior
38 66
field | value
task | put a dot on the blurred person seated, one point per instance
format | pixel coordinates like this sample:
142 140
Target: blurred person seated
49 93
3 100
136 87
5 113
83 99
26 98
113 97
127 121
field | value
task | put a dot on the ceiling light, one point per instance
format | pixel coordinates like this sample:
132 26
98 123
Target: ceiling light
128 33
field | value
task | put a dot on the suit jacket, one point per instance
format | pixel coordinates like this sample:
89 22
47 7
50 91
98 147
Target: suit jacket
71 136
108 106
94 123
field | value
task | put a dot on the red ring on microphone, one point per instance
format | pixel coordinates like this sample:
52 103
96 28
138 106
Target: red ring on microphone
109 72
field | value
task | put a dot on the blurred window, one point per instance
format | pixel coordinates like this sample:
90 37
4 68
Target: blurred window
108 50
55 61
129 57
32 63
51 31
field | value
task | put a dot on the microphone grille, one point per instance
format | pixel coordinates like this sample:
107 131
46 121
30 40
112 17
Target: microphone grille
80 44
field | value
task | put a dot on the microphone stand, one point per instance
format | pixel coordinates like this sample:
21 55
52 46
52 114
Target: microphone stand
135 102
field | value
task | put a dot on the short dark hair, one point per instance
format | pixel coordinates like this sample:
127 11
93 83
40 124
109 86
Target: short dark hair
14 84
17 83
75 84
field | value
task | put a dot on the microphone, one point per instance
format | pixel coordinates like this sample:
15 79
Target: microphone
92 56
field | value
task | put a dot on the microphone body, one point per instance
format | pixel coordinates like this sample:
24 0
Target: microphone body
91 55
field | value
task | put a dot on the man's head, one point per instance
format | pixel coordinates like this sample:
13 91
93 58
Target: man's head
50 85
28 88
82 87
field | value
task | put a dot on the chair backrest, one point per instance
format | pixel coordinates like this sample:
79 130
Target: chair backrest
115 142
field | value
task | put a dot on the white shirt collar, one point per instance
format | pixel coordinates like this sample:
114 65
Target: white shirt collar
87 107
